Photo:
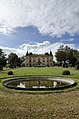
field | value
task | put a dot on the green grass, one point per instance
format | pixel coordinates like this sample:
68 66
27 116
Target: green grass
39 71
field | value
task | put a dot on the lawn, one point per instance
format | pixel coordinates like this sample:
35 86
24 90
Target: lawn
18 105
39 71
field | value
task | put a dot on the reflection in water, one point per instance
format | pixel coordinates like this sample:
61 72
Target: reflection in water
37 84
21 85
54 84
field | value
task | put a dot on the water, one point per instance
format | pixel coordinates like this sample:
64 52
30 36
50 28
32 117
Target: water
37 84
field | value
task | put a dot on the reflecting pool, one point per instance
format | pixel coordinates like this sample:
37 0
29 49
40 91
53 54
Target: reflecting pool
38 83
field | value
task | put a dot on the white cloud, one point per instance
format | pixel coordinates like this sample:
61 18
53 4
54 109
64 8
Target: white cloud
43 47
67 40
54 17
37 48
7 51
5 30
71 39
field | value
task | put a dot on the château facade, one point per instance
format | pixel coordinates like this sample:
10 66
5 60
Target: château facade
39 59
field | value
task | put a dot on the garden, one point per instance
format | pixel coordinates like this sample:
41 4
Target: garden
22 105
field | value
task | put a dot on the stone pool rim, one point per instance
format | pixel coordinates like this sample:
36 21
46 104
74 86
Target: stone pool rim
71 82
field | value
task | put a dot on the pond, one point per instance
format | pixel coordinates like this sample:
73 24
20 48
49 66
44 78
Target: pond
37 83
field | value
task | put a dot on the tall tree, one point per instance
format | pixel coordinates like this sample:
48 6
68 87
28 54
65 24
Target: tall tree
66 54
1 53
2 59
60 56
13 60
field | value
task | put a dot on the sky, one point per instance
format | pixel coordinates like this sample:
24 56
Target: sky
38 26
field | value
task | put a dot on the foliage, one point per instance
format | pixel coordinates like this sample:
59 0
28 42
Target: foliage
65 65
2 59
60 56
77 67
1 67
67 55
22 61
66 72
59 64
13 60
10 73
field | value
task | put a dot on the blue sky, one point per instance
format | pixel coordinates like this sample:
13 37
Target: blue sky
38 26
31 35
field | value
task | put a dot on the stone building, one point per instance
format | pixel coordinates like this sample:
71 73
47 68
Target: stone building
39 59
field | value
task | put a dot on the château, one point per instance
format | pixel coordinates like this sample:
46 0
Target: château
39 59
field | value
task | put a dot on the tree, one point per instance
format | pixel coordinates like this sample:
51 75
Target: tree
13 60
71 57
60 56
46 53
1 53
67 55
20 60
2 59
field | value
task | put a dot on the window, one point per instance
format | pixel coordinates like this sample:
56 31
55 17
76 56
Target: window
47 60
43 60
33 59
38 59
30 60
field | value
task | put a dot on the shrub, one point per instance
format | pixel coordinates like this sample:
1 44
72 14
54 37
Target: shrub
9 65
72 65
10 73
66 72
77 67
58 64
65 65
1 67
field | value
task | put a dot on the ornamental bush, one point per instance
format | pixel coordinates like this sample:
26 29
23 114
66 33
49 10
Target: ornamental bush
66 72
10 73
